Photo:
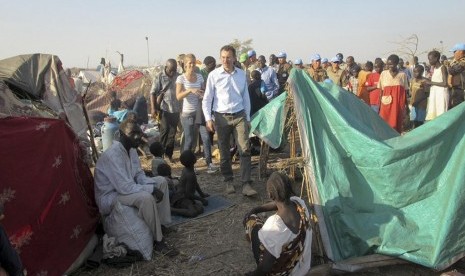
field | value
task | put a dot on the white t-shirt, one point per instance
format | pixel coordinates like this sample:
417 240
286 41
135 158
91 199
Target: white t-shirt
274 234
191 101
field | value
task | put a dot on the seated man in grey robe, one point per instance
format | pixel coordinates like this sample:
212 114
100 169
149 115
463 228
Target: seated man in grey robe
120 178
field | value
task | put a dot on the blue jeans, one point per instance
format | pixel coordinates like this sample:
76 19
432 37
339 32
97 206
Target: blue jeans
207 144
188 126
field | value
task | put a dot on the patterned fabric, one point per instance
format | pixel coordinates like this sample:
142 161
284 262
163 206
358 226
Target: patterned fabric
252 222
291 252
47 190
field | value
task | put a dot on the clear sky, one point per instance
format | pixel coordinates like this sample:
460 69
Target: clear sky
81 32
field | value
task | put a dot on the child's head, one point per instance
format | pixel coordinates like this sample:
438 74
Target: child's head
115 104
187 159
418 71
433 57
379 66
164 170
113 94
156 149
354 71
368 66
255 75
132 115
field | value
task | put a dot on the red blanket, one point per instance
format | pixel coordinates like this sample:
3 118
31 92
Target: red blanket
47 190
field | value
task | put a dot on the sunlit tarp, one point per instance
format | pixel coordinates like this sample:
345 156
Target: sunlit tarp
376 191
269 122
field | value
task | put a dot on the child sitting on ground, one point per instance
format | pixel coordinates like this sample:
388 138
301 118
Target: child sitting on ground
165 171
185 202
156 149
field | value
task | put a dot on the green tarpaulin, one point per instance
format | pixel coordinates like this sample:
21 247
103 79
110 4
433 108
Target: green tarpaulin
377 191
269 122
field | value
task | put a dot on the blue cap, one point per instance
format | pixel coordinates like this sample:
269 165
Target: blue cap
316 57
336 59
458 47
298 61
328 81
281 55
251 53
324 60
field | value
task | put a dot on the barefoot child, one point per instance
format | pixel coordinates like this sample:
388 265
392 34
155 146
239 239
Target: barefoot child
156 149
419 97
184 201
165 171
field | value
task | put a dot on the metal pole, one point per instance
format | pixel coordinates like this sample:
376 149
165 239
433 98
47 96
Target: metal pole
148 56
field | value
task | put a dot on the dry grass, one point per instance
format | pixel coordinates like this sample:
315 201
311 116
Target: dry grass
219 239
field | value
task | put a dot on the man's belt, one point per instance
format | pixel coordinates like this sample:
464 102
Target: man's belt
230 114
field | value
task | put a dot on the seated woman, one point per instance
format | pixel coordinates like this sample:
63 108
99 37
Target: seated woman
281 245
184 201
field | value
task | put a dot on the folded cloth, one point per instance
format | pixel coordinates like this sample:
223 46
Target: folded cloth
111 249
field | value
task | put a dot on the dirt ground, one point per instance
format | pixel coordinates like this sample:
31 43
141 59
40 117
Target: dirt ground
216 245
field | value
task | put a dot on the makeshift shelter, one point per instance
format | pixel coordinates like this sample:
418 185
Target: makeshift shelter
128 86
89 76
47 191
40 77
374 191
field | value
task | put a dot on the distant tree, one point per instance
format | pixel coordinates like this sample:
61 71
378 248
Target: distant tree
408 47
242 46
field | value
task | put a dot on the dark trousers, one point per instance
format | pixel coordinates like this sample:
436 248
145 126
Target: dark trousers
9 259
168 126
456 97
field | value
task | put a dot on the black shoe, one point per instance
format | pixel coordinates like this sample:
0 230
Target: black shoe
163 248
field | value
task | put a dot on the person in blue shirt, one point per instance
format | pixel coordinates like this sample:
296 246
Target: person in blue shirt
269 78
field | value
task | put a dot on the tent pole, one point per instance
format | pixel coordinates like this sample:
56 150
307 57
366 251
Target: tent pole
264 154
292 152
89 127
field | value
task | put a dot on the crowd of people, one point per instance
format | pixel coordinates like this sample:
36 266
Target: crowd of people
416 93
221 100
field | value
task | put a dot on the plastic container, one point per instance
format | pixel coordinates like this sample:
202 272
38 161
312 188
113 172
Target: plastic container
109 128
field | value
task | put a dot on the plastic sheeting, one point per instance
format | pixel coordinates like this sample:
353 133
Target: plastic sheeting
41 77
376 191
269 122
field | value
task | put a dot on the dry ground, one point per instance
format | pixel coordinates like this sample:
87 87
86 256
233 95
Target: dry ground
219 239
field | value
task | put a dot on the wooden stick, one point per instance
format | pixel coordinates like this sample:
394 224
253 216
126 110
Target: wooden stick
92 141
262 165
292 153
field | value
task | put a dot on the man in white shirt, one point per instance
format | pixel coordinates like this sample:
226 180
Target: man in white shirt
227 97
119 177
